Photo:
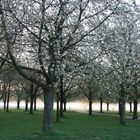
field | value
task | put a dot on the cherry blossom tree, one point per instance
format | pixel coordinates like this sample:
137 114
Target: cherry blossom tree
38 34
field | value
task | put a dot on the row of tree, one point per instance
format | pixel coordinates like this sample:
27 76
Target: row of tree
67 47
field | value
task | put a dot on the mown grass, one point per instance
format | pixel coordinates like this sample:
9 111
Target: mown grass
18 125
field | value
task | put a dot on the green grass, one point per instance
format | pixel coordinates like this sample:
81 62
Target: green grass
18 125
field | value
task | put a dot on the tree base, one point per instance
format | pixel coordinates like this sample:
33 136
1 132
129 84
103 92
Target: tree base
49 131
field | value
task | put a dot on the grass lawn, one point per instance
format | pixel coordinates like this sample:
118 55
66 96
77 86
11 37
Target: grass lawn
18 125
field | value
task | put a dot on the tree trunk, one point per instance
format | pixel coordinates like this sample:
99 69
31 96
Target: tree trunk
7 106
31 104
4 103
35 97
18 103
119 108
35 103
57 109
26 105
61 96
8 97
48 108
122 112
65 106
31 98
130 104
135 114
101 104
107 106
61 109
135 111
122 104
90 107
4 97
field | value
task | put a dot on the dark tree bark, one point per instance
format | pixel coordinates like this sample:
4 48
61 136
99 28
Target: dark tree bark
48 108
31 98
135 112
107 106
122 112
4 97
26 105
4 103
65 106
61 96
90 99
122 105
90 107
31 104
57 109
7 106
35 98
119 108
130 104
8 98
101 104
18 103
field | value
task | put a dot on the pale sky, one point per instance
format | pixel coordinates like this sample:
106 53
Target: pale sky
138 2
